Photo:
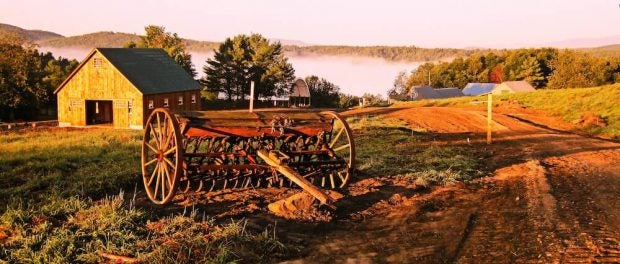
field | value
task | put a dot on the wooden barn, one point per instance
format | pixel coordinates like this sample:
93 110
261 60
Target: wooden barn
120 87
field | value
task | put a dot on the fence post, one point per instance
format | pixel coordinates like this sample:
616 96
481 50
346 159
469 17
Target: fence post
489 118
251 96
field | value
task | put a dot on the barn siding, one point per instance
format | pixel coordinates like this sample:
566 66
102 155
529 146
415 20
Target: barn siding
173 105
103 83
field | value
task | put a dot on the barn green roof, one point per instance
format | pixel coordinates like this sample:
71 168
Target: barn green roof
152 71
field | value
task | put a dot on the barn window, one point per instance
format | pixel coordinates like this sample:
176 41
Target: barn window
193 98
180 100
97 62
151 104
165 102
129 106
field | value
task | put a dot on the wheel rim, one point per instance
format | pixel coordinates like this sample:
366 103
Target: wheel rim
162 156
342 144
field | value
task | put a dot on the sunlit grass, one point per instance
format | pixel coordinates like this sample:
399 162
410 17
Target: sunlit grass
92 162
61 203
387 146
73 230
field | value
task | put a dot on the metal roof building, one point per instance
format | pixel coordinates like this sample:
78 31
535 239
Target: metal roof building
473 89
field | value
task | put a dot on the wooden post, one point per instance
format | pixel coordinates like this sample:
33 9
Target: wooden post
251 96
489 118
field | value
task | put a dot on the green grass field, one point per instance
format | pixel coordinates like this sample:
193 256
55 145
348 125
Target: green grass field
568 104
68 194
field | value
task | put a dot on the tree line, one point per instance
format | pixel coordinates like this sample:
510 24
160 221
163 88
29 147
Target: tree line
28 78
543 68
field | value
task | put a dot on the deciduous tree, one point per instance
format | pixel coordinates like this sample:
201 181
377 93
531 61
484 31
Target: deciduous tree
322 92
157 37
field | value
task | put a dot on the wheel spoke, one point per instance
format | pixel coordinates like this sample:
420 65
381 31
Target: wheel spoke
157 182
341 147
169 151
159 132
331 179
152 132
150 162
151 147
163 184
164 132
169 162
168 140
341 178
335 139
168 178
153 175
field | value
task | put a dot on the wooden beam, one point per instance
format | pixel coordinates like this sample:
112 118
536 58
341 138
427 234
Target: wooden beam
273 160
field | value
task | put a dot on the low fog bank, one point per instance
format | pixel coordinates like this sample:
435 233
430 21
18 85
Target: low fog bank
354 75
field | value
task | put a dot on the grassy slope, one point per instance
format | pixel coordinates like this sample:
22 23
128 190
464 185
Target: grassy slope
65 205
568 104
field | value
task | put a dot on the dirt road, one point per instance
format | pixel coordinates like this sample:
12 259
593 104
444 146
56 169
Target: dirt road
553 197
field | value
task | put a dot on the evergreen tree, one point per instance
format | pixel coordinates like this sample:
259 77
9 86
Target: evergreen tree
531 72
243 59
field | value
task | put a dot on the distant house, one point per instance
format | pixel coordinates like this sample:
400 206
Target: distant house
513 87
300 94
423 92
120 87
474 89
449 92
427 92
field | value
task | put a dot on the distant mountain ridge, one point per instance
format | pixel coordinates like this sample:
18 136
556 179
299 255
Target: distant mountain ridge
111 39
105 39
33 35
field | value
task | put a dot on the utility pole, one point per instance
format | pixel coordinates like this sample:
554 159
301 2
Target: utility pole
429 77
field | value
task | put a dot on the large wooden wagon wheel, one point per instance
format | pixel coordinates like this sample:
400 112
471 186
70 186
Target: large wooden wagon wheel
343 147
162 156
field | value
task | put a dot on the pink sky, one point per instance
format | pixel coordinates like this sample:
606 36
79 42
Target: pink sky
443 23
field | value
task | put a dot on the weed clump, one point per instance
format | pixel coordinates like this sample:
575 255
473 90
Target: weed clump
74 230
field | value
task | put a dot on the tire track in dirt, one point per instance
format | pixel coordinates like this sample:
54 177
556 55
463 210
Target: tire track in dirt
589 205
517 219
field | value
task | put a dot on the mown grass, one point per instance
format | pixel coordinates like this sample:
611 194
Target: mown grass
389 147
568 104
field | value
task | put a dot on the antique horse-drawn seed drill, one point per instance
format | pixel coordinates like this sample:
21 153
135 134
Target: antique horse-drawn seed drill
214 150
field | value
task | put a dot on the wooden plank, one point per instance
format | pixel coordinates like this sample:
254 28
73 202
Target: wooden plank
295 177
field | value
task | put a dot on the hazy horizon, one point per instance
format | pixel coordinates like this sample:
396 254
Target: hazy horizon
354 75
449 23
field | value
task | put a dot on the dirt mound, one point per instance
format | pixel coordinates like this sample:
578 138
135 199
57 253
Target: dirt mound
589 119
